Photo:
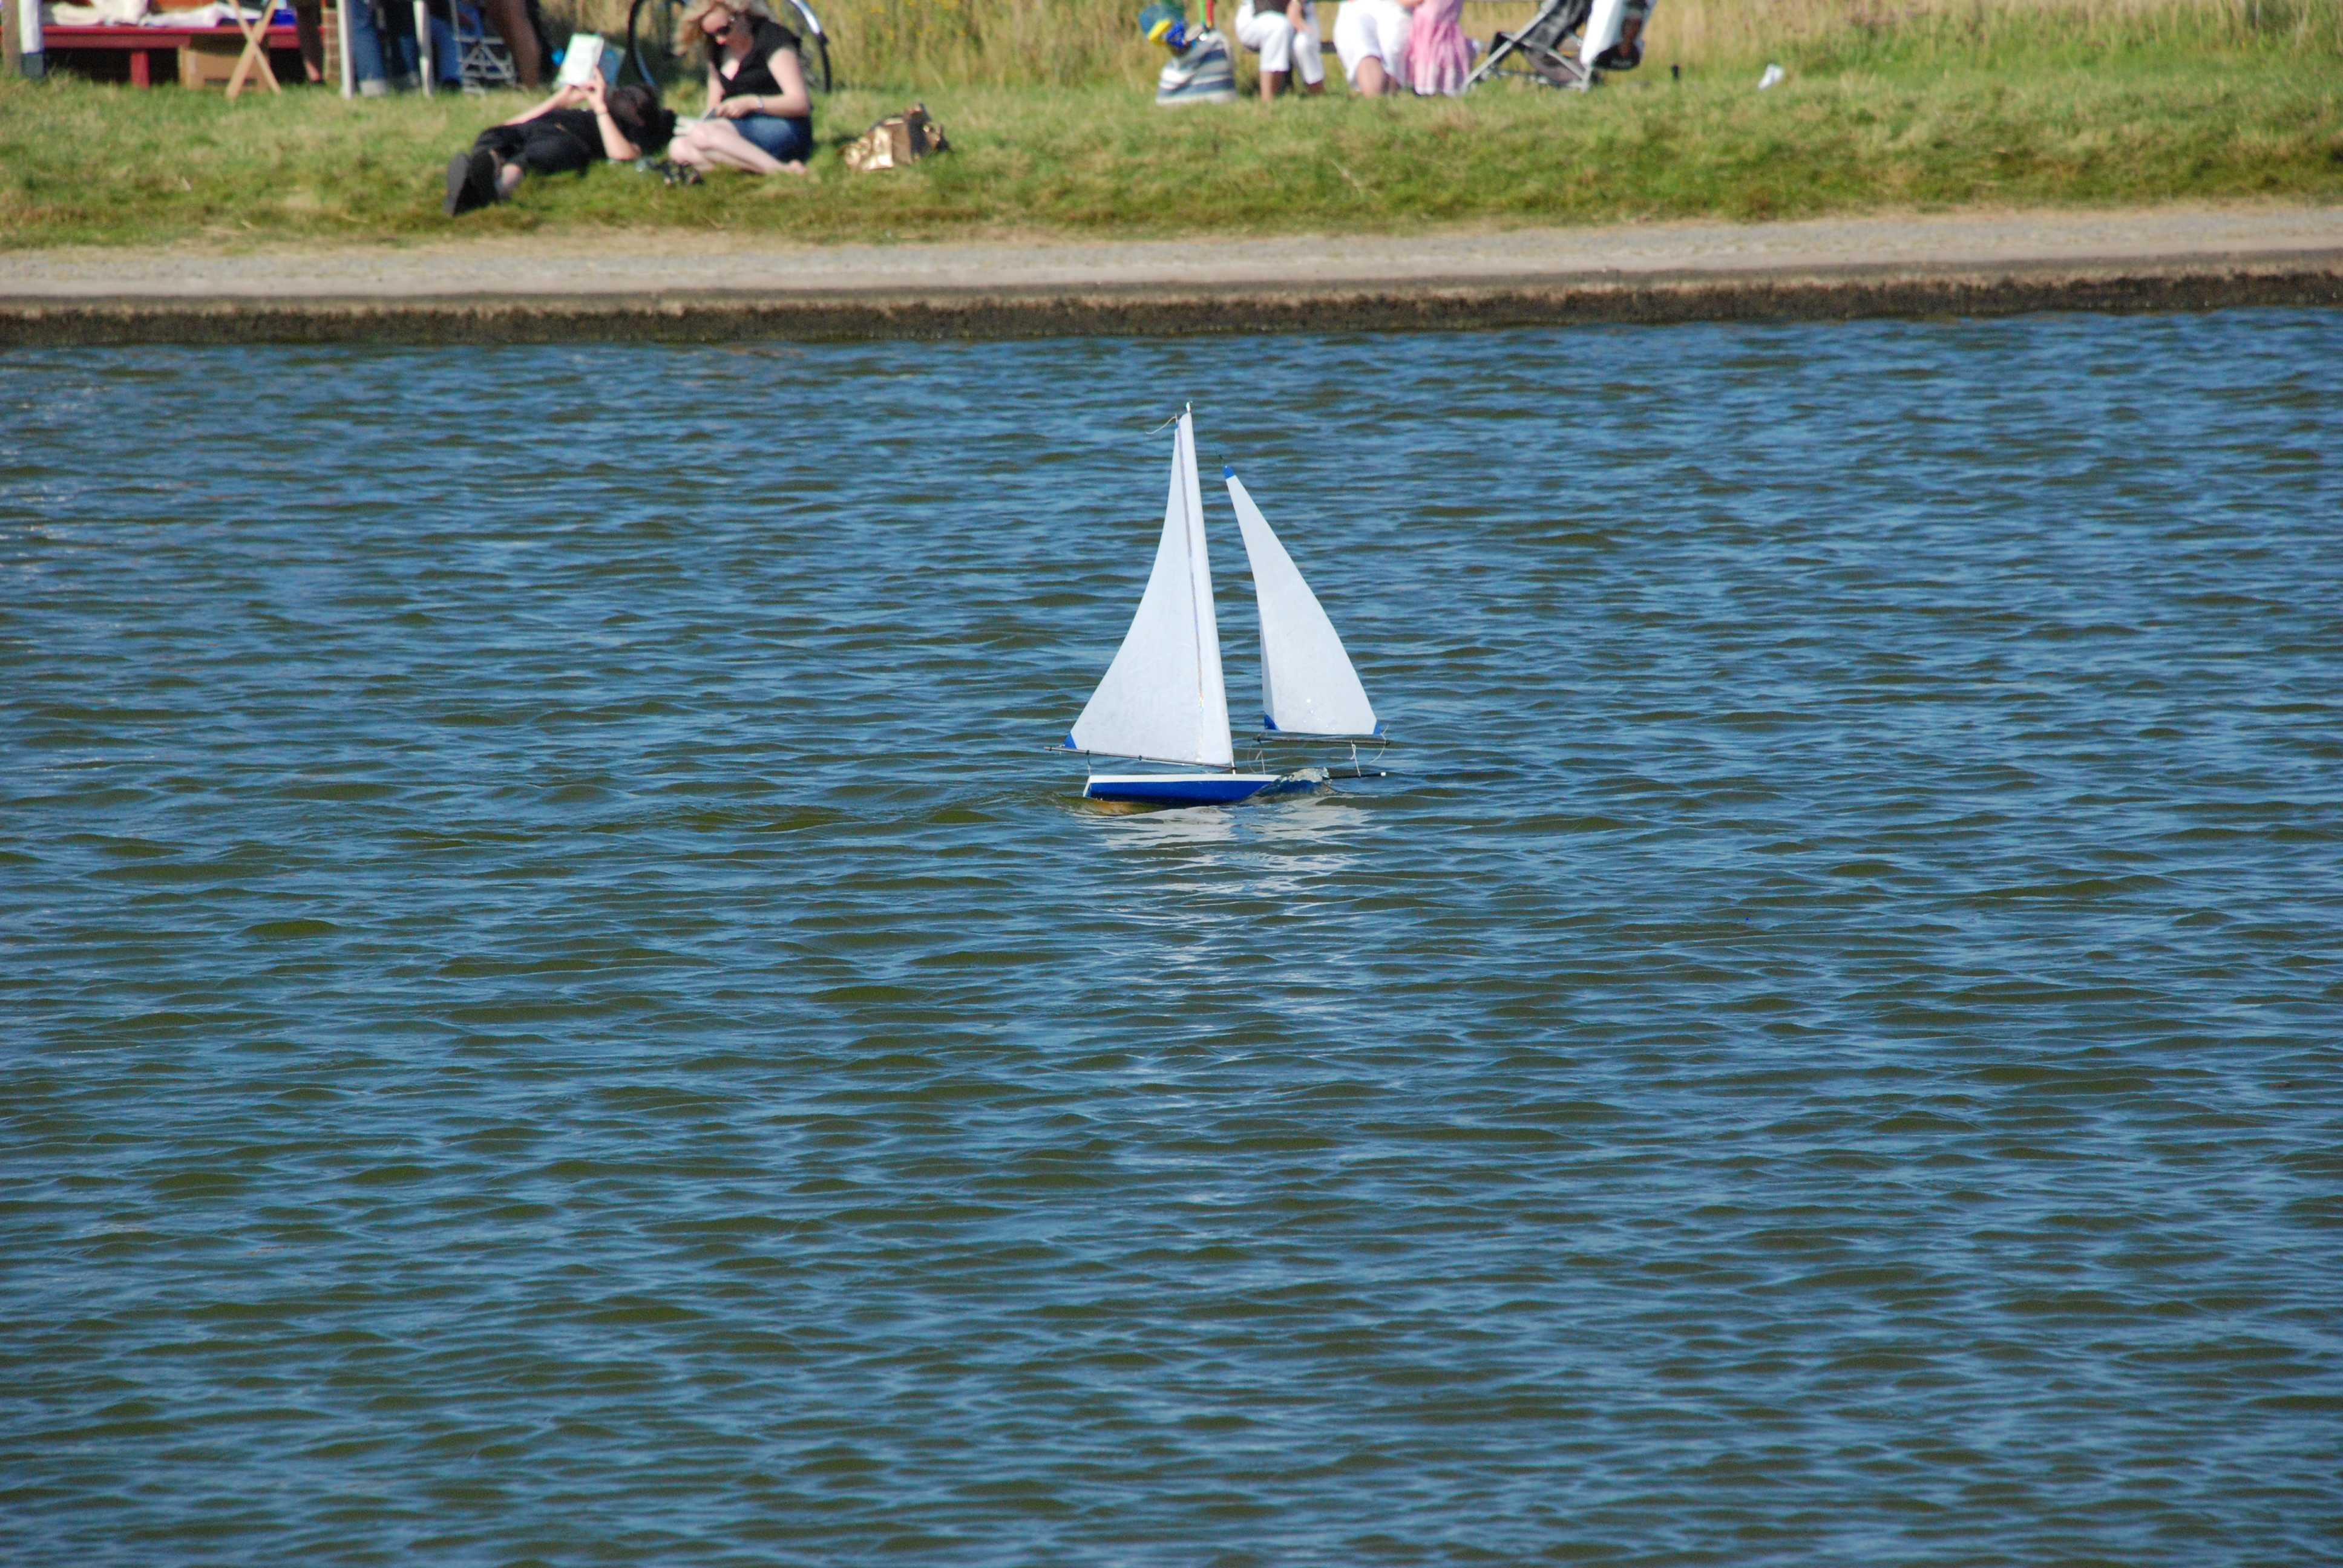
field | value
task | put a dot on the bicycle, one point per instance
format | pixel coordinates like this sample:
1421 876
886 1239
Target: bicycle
651 48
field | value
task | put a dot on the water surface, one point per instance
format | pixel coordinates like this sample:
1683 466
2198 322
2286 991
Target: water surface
558 1008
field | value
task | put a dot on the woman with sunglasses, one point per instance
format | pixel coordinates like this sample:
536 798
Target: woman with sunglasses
759 114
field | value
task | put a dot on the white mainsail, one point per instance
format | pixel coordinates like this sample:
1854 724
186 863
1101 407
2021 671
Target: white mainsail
1162 698
1307 683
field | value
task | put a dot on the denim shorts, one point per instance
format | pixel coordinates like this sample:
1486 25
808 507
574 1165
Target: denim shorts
792 141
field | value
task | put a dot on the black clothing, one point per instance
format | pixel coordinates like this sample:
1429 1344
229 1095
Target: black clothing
471 182
581 124
559 141
756 73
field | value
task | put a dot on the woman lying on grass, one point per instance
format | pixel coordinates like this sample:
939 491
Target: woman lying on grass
556 136
759 114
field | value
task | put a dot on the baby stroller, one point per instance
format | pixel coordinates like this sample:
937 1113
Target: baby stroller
1569 43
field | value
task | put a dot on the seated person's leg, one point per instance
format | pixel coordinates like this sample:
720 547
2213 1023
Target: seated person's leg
366 51
447 52
308 30
510 20
1270 35
447 60
685 148
1309 57
402 56
718 144
1393 27
1355 44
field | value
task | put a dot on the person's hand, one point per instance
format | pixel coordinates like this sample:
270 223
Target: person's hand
596 92
737 108
570 94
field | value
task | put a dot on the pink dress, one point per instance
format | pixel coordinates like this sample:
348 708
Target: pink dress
1438 57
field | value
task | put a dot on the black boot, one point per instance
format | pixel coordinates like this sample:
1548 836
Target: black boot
471 182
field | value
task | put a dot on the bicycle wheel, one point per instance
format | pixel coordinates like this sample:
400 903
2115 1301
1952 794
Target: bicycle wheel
815 55
650 44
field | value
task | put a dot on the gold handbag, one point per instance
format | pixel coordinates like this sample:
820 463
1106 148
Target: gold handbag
897 140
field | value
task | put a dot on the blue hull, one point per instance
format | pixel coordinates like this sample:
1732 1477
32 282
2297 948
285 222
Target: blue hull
1177 788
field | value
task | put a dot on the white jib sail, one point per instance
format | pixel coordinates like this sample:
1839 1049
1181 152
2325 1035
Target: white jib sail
1307 683
1162 698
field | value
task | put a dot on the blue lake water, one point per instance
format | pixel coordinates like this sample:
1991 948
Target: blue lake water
558 1008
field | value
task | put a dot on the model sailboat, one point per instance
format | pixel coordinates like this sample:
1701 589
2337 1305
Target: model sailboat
1163 700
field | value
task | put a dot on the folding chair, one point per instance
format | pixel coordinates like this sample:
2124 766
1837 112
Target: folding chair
482 61
255 48
480 55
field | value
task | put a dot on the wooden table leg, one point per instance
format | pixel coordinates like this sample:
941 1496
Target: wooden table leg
141 75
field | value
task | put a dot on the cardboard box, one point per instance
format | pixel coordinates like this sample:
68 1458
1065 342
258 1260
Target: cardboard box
210 62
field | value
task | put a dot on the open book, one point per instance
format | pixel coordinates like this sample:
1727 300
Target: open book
586 53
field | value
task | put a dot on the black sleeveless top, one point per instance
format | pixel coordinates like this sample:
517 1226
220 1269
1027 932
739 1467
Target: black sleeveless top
756 73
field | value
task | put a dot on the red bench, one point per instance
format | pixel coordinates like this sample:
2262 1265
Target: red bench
145 41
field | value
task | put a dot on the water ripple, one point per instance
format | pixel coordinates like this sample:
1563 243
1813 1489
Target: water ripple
559 1009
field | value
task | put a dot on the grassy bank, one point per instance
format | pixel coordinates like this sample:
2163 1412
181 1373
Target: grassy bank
1917 115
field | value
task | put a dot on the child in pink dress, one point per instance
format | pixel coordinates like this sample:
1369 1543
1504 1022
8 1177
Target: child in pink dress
1438 57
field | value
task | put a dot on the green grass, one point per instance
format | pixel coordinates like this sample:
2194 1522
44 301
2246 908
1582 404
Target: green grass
1861 128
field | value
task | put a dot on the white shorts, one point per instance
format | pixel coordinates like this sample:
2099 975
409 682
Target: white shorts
1271 35
1370 30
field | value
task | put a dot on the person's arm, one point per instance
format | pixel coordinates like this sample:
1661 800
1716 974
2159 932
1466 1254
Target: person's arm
791 103
562 99
615 146
715 87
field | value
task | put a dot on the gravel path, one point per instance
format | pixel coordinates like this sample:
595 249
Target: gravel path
660 262
660 283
